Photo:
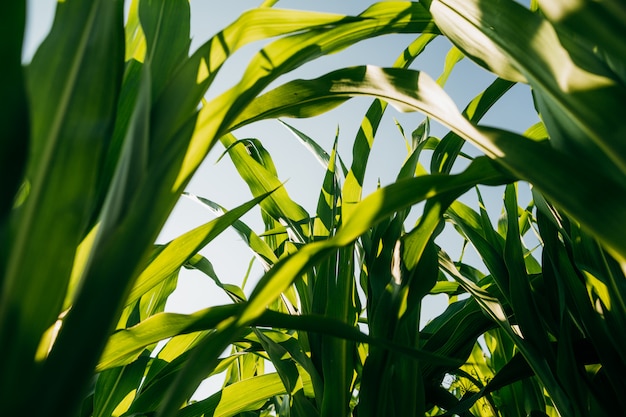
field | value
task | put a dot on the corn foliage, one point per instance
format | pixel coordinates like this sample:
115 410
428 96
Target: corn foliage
103 130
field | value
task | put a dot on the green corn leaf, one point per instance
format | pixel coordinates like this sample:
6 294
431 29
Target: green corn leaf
85 44
86 325
247 395
334 294
156 397
559 171
201 263
364 140
260 178
372 210
116 388
338 354
131 122
216 117
133 224
14 119
134 36
495 237
153 301
445 287
246 365
179 251
320 154
452 333
294 347
165 25
494 309
470 223
560 268
520 291
575 93
152 390
125 345
184 91
170 358
517 369
526 395
150 303
602 21
594 262
490 304
476 42
415 91
263 252
284 364
411 166
329 201
414 243
161 135
129 172
14 124
453 57
408 90
450 146
384 371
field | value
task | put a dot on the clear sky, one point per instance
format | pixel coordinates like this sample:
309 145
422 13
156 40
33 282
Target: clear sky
221 183
302 172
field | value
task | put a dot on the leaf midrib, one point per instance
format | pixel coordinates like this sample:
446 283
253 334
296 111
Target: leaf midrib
52 142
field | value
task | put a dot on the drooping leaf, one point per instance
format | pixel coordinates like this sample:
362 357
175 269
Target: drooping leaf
183 248
575 92
216 118
415 91
257 245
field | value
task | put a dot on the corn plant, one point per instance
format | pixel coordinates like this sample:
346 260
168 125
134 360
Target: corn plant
113 131
109 126
578 86
570 92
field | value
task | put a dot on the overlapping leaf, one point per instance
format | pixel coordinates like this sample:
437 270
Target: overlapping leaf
71 123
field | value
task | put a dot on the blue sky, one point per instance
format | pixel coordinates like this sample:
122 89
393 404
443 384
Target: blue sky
220 182
301 171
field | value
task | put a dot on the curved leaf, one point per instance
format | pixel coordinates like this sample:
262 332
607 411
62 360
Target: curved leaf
247 395
263 252
576 94
261 178
184 247
283 55
127 344
370 211
412 90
